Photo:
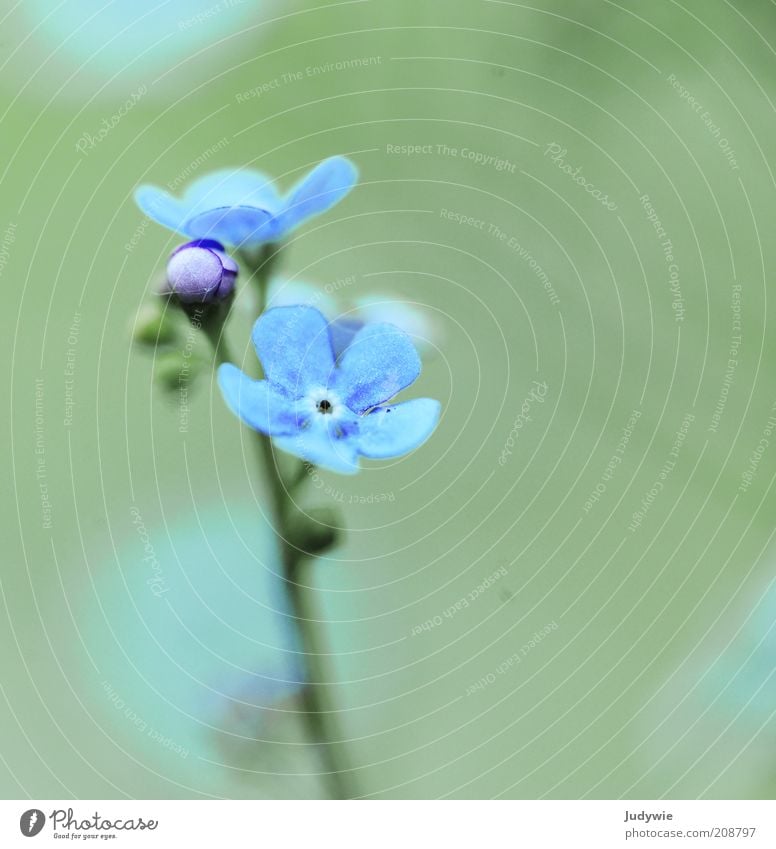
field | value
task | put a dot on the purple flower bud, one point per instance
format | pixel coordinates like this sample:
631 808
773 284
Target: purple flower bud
201 272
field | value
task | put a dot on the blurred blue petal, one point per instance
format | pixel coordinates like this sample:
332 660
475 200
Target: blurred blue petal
292 293
188 622
744 674
343 331
227 187
110 36
412 318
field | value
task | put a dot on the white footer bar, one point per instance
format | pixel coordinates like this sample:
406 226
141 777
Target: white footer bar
389 824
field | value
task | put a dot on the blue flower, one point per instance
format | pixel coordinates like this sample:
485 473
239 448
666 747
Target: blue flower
243 207
325 410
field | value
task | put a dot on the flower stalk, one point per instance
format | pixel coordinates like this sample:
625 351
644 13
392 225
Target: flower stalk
328 388
316 715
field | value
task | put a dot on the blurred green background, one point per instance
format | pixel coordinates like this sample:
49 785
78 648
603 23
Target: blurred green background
613 656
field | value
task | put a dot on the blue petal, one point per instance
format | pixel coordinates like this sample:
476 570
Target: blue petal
237 207
162 207
410 317
393 431
256 403
235 225
379 362
227 187
294 347
323 187
323 444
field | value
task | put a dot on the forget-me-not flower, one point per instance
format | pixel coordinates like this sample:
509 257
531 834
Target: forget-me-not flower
243 207
325 410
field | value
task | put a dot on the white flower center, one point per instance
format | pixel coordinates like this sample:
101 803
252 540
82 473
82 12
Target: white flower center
324 402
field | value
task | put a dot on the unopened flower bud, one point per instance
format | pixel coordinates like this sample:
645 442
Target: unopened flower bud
201 272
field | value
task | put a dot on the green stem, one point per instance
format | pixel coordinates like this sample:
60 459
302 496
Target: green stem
315 713
318 717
